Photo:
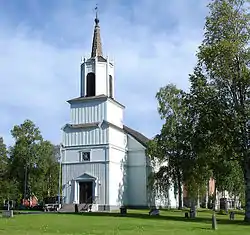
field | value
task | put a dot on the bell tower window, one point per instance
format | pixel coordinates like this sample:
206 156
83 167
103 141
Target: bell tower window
110 86
90 85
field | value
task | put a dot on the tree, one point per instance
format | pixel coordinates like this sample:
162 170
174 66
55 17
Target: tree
48 168
33 162
7 185
160 179
223 68
3 170
235 179
24 157
172 148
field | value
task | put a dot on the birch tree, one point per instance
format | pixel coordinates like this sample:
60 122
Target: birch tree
223 63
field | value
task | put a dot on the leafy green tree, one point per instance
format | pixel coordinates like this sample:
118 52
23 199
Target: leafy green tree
23 155
160 179
173 150
236 182
49 169
3 170
221 79
7 185
33 163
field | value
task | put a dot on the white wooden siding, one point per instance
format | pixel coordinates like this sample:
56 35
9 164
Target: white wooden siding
114 113
137 173
85 136
101 78
71 171
102 70
117 137
88 112
117 177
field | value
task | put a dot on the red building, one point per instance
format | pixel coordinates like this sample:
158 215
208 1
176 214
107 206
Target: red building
30 202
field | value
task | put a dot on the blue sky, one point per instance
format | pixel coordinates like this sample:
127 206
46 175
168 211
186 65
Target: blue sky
42 42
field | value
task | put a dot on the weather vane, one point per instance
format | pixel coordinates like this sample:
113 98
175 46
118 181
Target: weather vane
96 10
96 15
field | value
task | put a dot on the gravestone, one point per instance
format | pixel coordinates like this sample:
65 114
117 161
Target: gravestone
192 212
224 204
8 209
214 222
123 210
154 212
231 215
8 214
76 208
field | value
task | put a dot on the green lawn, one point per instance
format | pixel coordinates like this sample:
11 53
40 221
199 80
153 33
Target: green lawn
136 222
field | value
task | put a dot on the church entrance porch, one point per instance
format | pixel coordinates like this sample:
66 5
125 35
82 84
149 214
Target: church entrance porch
86 192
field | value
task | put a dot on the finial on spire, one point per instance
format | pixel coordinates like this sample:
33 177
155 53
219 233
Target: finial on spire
96 15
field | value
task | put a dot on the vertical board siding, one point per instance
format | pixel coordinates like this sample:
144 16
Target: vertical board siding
86 136
88 112
72 171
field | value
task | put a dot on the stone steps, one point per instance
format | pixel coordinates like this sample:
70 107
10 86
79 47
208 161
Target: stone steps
67 208
81 207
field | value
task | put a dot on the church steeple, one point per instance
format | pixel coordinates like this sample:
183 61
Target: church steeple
96 44
97 72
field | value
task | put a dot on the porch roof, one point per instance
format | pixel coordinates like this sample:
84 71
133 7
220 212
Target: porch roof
85 176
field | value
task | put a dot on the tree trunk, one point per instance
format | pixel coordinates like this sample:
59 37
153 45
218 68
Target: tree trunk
235 204
215 197
247 190
198 199
207 195
179 191
168 200
193 208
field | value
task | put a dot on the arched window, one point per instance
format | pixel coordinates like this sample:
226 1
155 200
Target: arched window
90 84
110 86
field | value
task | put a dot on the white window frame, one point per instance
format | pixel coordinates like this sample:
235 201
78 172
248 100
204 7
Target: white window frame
81 159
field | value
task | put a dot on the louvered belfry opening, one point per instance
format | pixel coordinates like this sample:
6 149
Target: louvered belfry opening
90 85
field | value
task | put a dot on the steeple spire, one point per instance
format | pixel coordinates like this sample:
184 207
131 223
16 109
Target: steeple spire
96 44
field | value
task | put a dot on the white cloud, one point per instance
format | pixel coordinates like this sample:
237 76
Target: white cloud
40 67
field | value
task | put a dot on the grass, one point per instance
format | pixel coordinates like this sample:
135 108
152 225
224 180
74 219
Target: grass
136 222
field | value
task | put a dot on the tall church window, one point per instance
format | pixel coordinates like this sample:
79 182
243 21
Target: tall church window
90 84
110 86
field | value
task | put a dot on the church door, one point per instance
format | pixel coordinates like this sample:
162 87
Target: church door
86 192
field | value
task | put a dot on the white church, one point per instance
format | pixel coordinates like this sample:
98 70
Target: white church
103 161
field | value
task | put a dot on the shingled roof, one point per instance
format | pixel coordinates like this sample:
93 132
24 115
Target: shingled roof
96 44
142 139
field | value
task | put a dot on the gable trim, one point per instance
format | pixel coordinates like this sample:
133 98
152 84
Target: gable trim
85 176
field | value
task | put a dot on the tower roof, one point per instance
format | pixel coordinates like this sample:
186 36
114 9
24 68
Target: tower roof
96 44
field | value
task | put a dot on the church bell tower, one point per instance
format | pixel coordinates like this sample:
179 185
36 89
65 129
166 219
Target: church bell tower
97 72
